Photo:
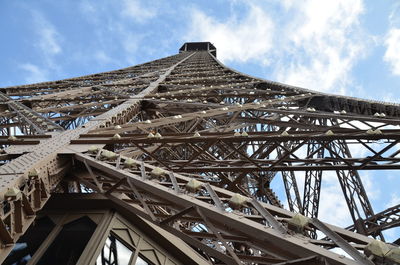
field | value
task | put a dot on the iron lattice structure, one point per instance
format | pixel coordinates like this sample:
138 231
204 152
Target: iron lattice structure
193 147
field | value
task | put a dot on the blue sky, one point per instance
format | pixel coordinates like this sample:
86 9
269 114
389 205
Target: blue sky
339 46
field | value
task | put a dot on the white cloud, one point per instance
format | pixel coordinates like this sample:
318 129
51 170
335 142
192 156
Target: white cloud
395 199
333 207
87 8
130 43
138 11
238 38
312 43
48 37
114 29
34 74
392 54
393 233
48 43
391 41
102 57
322 43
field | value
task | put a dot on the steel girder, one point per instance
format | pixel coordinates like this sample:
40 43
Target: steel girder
194 118
28 179
381 221
158 199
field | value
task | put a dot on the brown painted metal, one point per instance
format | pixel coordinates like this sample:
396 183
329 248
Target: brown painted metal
262 238
193 117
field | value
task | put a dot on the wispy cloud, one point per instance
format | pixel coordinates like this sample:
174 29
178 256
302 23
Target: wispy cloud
393 234
131 43
138 11
395 199
315 46
321 44
114 28
34 73
333 207
48 43
102 57
48 39
392 42
239 37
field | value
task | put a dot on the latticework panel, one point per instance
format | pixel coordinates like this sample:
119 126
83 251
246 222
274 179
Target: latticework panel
195 147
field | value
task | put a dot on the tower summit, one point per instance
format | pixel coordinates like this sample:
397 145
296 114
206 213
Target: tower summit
179 160
199 46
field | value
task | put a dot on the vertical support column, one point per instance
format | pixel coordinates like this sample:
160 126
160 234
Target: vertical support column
353 189
312 183
290 183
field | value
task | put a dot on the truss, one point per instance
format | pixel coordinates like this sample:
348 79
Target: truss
193 147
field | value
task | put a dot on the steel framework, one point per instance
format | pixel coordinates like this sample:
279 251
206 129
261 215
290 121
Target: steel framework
193 147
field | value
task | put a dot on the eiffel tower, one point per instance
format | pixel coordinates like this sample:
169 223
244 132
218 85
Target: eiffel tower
175 161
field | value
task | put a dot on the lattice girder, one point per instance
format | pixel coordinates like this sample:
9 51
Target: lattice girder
190 117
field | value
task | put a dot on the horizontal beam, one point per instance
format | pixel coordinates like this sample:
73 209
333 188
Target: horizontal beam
229 137
224 193
249 169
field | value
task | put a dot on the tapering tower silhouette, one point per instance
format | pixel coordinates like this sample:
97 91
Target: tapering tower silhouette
183 160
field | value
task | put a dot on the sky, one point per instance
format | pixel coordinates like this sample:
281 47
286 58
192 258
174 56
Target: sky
348 47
